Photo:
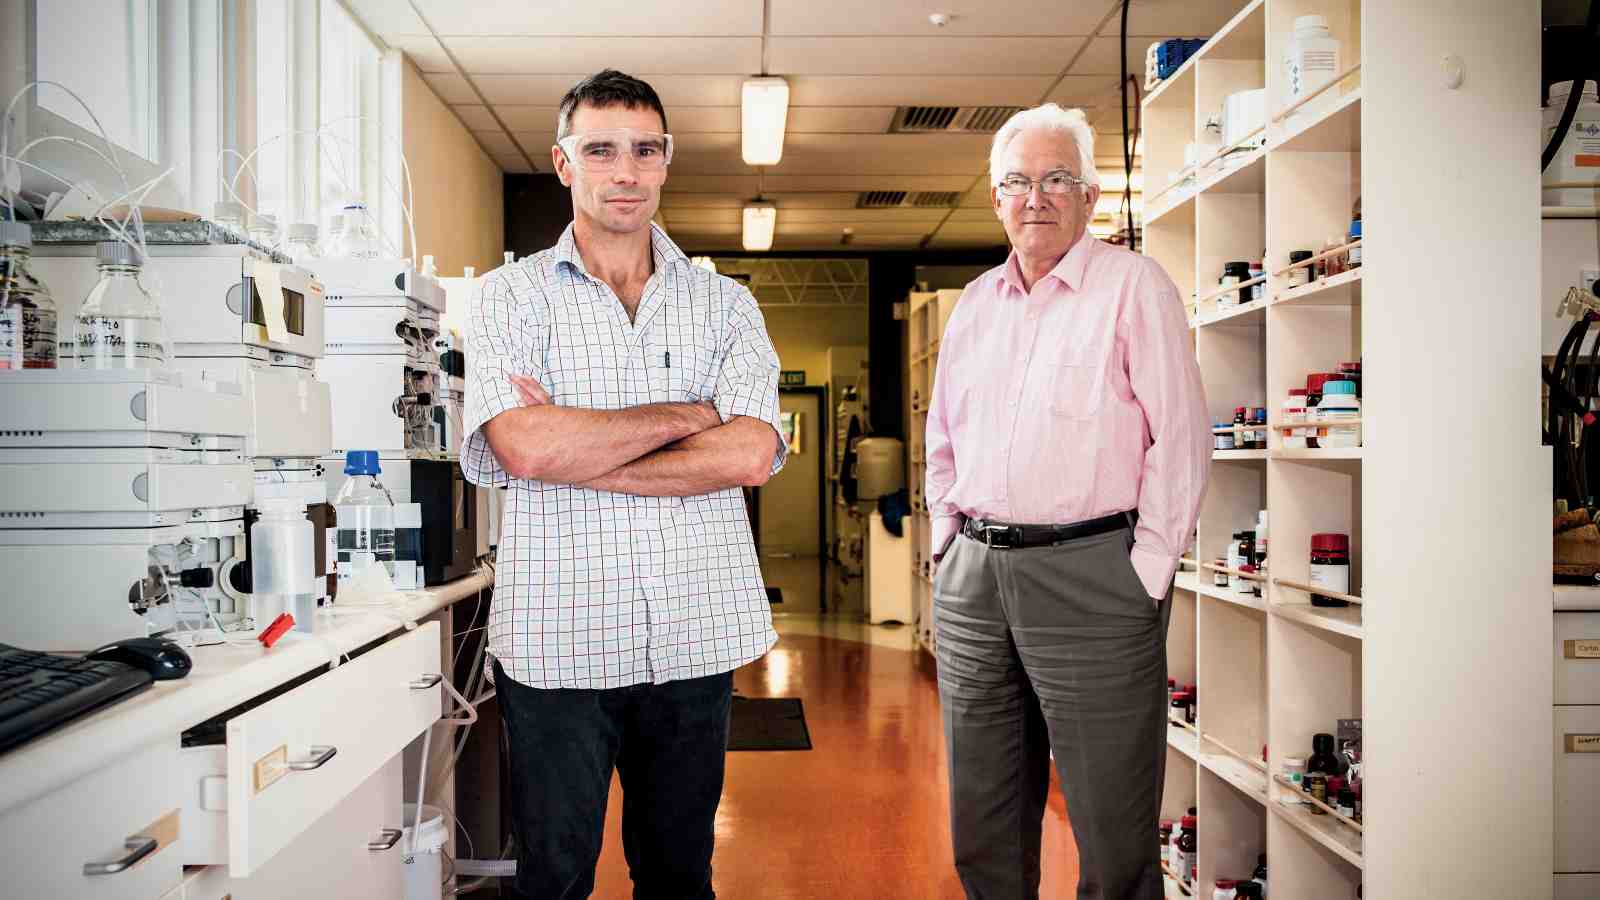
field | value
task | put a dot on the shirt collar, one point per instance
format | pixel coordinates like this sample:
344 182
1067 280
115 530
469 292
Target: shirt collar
1069 271
666 252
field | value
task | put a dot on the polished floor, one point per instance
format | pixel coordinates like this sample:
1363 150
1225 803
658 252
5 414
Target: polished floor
863 815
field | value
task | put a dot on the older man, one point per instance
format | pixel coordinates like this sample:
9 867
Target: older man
623 396
1067 450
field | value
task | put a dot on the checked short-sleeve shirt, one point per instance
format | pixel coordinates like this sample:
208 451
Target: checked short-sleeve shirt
595 589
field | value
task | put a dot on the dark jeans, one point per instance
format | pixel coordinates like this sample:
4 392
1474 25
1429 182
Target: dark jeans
668 743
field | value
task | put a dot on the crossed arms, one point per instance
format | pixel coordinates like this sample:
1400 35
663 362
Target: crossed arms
655 450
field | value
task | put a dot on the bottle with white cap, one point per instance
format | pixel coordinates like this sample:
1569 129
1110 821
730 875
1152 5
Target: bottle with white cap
27 311
119 325
1313 56
360 239
229 215
283 563
302 243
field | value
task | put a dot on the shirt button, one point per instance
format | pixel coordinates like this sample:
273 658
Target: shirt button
1011 403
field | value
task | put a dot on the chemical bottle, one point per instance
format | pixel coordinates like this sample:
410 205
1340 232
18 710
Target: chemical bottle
1172 845
229 215
27 311
1261 542
335 240
1322 757
365 513
283 563
360 240
264 230
1260 875
1313 56
1572 177
119 325
1188 851
1165 833
302 243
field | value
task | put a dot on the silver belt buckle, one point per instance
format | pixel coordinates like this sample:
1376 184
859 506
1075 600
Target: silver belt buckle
990 529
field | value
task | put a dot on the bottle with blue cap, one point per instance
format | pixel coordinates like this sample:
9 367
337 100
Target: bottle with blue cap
365 511
1339 404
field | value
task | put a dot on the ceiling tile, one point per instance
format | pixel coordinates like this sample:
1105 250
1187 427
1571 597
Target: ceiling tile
386 17
686 119
1190 18
908 90
967 17
786 227
476 117
497 143
692 219
902 219
537 144
867 154
991 230
788 201
524 55
451 88
921 55
591 17
525 117
1091 91
840 120
547 90
743 185
970 215
898 182
423 50
514 164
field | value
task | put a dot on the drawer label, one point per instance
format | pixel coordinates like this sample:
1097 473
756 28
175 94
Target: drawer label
270 768
1583 743
1587 648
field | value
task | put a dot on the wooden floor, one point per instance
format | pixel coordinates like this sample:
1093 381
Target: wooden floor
864 814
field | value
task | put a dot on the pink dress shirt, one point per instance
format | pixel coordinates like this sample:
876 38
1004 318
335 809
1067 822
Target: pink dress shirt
1077 400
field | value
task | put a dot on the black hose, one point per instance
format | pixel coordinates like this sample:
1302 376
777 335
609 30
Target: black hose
1591 27
1127 139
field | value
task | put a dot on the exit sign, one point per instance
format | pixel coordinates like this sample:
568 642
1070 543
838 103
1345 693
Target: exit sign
792 378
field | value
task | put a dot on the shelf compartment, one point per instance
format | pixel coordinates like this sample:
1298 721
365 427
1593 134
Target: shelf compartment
1286 117
1334 129
1233 819
1327 810
1252 313
1340 620
1343 289
1306 588
1324 830
1243 37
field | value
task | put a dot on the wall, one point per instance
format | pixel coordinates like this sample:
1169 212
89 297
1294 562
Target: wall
802 335
459 202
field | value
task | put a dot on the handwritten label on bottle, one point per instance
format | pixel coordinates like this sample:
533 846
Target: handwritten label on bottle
1586 648
1583 743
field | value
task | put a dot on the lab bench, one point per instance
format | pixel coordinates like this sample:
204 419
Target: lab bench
297 792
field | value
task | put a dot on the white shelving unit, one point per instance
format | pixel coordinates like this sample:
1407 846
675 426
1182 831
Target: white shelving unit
1447 515
929 314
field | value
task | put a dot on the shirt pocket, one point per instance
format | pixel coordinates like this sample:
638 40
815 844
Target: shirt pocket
1077 385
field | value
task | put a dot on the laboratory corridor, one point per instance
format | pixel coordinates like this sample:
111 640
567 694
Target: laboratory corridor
864 814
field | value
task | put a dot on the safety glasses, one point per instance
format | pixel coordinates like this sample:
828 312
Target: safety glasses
599 151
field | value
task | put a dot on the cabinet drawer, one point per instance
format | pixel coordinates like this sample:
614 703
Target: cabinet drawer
1577 788
1577 662
293 759
106 817
1577 887
332 858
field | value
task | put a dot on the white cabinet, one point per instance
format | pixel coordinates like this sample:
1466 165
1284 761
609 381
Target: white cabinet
351 853
292 760
1577 782
1577 658
111 834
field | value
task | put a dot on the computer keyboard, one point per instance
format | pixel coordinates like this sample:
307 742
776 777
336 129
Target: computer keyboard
39 691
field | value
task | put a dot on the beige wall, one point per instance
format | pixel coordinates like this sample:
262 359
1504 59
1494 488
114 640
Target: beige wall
459 192
803 335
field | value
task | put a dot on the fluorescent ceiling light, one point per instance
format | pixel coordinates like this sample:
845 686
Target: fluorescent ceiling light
764 115
760 221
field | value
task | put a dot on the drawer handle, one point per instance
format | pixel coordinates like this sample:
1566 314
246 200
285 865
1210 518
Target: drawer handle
319 757
391 836
138 847
430 680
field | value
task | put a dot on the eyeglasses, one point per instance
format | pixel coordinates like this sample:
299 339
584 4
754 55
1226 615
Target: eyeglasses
598 151
1059 181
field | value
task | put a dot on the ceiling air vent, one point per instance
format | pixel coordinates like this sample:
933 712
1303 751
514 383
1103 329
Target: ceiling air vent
959 119
880 199
935 199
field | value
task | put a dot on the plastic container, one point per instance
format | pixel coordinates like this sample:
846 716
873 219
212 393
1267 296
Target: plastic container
119 325
1294 769
229 215
302 242
1256 270
424 860
264 230
1353 258
1313 56
366 521
1232 274
1299 277
27 310
360 239
283 563
1339 404
1573 178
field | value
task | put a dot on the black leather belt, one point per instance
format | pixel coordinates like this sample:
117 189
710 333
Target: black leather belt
1001 536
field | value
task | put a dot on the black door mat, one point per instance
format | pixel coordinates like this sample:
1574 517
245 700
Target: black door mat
768 723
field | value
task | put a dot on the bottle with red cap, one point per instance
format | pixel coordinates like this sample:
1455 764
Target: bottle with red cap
1330 567
1188 851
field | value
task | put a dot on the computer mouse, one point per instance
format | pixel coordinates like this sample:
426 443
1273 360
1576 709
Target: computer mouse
163 659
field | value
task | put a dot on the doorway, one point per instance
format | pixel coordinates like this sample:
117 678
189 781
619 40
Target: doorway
790 529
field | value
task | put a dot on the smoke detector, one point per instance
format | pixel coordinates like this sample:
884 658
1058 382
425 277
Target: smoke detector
939 20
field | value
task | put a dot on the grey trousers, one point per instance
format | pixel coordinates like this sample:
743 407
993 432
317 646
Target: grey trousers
1052 648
